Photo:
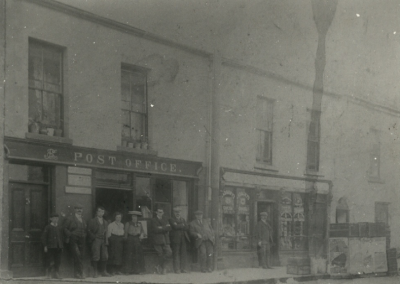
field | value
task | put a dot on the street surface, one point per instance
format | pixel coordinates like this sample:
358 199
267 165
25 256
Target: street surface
372 280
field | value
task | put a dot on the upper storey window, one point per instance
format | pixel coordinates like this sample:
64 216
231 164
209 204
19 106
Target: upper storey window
134 105
264 130
45 85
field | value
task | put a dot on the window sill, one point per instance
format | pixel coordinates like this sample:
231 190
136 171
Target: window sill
137 151
375 180
265 167
43 137
313 174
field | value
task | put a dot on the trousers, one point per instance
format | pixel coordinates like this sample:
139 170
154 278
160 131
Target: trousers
179 255
99 250
206 253
76 246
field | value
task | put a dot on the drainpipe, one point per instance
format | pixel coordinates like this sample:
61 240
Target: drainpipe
215 152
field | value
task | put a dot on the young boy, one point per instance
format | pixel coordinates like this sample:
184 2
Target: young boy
52 240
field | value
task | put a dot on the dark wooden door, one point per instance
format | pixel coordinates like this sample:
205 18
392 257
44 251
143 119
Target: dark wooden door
29 215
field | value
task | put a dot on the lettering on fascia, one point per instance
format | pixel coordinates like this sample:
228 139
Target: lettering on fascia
129 163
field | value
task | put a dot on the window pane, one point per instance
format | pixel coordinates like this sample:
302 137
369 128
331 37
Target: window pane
35 64
143 196
260 145
126 125
51 109
138 98
35 103
228 219
52 70
137 125
125 90
243 219
179 197
267 147
163 190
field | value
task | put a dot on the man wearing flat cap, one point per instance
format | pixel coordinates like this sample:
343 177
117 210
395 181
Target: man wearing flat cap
263 237
161 241
204 236
179 239
75 232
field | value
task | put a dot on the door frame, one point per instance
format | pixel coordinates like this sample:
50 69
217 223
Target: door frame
34 271
275 226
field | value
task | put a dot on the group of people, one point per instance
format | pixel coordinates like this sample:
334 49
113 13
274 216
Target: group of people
116 247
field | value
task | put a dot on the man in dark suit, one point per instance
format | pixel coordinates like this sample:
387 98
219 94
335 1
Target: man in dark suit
75 232
204 236
52 239
97 231
179 239
263 237
161 242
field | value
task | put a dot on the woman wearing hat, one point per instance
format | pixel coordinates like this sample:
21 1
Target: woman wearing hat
115 235
134 262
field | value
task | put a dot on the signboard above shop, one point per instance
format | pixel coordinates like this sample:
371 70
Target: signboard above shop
21 149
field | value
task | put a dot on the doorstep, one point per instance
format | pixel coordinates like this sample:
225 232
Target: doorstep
226 276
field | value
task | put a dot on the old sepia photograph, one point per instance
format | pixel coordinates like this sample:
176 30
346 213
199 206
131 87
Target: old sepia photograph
200 141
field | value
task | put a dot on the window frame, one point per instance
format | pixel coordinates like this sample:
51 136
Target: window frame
266 130
144 137
60 51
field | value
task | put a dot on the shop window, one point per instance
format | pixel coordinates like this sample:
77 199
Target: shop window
293 230
45 86
264 130
342 211
235 210
313 142
134 105
382 212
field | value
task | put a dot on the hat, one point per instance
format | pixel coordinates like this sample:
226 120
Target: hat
134 213
53 215
264 214
198 212
78 205
177 209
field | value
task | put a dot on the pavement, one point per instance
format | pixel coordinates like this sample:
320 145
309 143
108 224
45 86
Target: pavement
237 276
228 276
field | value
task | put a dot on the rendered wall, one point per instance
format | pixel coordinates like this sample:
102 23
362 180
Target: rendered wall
93 57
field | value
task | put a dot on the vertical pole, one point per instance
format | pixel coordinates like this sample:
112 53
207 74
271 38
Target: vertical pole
215 144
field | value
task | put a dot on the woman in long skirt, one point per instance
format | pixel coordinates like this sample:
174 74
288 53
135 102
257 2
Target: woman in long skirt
134 262
115 234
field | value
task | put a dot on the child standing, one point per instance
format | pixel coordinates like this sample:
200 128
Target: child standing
52 240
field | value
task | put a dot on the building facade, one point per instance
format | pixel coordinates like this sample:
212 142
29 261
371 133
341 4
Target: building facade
103 113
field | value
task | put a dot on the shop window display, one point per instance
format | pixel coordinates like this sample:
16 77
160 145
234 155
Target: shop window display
293 233
235 209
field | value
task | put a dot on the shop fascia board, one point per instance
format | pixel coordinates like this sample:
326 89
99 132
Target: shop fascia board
272 181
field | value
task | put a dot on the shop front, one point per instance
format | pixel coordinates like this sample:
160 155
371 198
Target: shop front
297 212
43 177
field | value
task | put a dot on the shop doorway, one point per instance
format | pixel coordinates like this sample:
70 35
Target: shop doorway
114 200
270 208
28 217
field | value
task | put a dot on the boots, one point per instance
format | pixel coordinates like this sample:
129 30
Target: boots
104 269
95 272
